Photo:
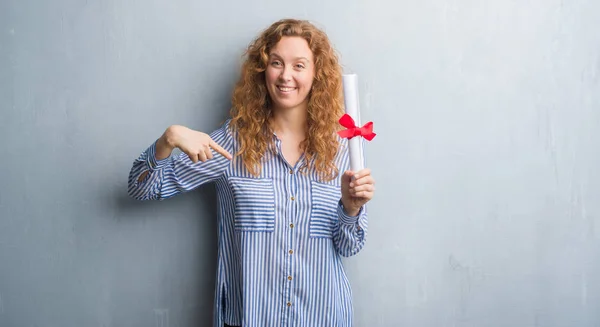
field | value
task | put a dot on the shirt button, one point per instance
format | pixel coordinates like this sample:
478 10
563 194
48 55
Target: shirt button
289 277
291 225
289 304
291 172
293 198
291 251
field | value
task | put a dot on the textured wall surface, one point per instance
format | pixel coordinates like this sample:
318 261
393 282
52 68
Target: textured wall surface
486 159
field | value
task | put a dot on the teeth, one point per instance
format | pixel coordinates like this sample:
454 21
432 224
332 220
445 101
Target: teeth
286 89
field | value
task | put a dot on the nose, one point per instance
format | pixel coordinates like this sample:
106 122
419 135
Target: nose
286 73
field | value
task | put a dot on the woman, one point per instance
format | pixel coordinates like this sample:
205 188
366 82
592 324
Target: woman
288 207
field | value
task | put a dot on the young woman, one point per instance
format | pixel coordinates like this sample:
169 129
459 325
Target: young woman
288 206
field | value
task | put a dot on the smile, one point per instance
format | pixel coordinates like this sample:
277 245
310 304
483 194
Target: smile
285 89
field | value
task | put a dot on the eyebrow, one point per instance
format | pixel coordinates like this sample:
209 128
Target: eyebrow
273 54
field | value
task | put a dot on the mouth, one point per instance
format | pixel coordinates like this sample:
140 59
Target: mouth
286 89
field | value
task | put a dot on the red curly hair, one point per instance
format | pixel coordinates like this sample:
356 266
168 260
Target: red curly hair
251 103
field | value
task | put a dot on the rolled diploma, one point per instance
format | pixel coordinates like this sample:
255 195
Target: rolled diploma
351 104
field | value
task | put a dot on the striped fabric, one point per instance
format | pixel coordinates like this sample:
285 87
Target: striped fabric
281 236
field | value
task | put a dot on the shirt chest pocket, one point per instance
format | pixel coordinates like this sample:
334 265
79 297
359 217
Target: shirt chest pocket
324 217
254 204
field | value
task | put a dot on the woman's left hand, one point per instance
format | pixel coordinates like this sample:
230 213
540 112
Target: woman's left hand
357 189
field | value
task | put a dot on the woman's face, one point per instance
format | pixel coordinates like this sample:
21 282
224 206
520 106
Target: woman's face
290 72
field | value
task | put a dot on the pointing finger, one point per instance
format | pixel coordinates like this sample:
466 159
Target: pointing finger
220 150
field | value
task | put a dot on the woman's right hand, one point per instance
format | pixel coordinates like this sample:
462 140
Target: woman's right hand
195 144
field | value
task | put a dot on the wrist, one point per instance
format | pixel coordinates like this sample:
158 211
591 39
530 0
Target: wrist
168 139
351 211
164 146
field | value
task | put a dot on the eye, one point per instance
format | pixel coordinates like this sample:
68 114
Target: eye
275 63
300 66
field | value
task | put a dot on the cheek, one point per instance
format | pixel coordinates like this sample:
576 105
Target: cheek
307 83
308 80
270 76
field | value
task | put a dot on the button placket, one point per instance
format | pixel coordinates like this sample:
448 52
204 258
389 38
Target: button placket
292 207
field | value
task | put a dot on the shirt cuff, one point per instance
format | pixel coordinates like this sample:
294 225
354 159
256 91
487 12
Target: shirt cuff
154 164
345 218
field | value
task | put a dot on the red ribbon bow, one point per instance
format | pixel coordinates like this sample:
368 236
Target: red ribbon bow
352 130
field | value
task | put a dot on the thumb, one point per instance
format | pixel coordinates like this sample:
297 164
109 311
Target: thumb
348 176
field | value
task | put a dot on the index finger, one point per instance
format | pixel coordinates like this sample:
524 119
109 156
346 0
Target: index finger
362 173
220 150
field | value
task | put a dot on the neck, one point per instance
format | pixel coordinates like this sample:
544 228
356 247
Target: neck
290 122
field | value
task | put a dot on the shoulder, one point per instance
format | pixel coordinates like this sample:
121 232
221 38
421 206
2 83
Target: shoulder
225 127
224 134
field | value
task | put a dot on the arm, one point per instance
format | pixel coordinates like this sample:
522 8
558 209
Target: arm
155 175
357 189
350 234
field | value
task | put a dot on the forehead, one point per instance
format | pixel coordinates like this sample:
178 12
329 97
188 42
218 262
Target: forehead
290 47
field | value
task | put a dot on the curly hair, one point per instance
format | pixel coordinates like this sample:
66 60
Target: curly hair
251 103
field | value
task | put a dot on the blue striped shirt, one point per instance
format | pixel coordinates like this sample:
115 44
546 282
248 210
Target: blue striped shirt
281 235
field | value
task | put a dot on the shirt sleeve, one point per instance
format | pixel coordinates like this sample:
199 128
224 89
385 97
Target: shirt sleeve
177 173
351 231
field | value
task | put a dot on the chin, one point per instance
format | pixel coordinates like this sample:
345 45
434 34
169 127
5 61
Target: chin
287 104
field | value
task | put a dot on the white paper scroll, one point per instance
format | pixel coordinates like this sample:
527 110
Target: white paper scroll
352 105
